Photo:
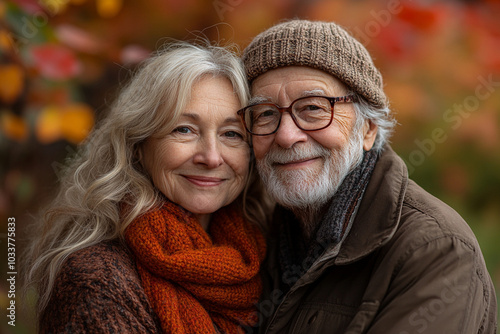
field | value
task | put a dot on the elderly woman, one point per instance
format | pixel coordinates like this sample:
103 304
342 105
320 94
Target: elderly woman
155 225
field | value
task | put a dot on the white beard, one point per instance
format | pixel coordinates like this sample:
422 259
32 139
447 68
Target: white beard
309 189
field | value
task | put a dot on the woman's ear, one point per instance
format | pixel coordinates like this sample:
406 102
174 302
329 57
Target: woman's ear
370 130
137 158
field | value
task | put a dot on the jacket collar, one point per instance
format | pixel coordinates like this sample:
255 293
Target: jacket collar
375 223
380 210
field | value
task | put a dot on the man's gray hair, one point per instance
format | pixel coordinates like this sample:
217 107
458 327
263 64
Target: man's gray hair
381 116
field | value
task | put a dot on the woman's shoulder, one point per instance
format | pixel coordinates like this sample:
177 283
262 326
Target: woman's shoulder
106 260
98 286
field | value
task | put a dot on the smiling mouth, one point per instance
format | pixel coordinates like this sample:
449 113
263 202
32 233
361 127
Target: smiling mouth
297 163
203 181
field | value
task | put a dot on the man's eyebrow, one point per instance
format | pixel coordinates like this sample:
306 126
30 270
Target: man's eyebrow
317 91
259 99
263 99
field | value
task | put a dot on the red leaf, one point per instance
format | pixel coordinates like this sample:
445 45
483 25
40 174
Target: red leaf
423 18
55 62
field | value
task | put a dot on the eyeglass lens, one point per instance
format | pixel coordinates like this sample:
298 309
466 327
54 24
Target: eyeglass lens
310 113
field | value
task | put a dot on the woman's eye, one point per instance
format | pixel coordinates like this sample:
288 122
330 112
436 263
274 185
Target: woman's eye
182 129
233 134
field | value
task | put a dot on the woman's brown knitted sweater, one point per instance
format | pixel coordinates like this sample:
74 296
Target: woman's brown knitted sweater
99 291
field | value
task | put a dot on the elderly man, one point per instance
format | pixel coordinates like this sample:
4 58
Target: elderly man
357 247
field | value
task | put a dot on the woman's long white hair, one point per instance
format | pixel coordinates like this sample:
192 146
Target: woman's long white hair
107 175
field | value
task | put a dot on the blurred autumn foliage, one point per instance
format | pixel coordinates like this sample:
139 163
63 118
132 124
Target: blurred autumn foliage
62 61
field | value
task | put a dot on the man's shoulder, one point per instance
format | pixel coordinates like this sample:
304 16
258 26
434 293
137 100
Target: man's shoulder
429 228
425 214
422 215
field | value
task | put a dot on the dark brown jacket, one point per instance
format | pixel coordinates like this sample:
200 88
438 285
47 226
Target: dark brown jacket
409 264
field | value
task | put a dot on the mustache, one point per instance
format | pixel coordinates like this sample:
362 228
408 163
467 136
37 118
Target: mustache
285 155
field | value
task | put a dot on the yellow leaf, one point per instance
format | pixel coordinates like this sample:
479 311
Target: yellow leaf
48 125
11 83
54 7
14 127
76 122
6 41
109 8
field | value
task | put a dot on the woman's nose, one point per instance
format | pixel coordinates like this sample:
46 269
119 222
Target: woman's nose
209 153
288 133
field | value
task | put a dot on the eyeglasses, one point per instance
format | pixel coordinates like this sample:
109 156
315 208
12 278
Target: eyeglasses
310 113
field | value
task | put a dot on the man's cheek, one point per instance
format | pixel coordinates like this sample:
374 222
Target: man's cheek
261 146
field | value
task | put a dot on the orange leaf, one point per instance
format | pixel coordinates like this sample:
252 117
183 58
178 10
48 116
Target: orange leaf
14 127
109 8
76 122
6 41
48 125
11 83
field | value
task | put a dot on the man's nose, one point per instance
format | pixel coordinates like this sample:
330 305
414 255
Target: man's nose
288 133
209 153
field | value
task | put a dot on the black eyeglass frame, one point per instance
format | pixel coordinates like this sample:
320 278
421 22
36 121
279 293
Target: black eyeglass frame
332 100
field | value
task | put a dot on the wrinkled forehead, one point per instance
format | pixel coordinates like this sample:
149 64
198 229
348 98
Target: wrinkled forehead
293 82
268 99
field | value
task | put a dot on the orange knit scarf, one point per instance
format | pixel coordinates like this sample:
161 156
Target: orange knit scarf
194 279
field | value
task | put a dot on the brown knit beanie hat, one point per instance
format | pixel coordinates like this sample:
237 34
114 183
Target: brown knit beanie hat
322 45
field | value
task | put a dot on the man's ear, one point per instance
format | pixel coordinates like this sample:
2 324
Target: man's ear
370 130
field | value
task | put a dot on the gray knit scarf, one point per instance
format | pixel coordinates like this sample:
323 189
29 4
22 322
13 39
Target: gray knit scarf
295 255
